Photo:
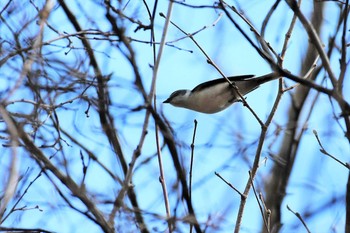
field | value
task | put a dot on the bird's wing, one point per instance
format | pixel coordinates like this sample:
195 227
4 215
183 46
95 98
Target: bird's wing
241 77
222 80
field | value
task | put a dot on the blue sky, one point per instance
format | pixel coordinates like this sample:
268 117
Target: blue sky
225 142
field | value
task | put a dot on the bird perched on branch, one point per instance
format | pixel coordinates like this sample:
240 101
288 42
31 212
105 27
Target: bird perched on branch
216 95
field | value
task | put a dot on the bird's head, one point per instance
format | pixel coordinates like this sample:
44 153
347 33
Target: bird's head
178 98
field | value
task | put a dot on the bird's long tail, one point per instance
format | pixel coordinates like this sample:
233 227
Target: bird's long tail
267 77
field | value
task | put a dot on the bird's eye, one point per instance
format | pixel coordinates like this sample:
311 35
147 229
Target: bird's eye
178 93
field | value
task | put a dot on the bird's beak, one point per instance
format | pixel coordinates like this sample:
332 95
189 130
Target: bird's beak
167 100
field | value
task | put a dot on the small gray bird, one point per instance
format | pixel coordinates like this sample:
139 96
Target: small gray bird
216 95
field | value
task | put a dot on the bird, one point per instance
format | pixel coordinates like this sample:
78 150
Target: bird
216 95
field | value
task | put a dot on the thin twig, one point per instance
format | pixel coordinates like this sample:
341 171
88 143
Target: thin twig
300 218
288 35
162 178
18 229
347 165
157 59
264 44
267 211
231 186
259 204
191 164
192 157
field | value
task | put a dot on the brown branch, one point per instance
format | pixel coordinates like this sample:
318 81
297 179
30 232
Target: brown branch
343 62
106 119
44 162
169 140
280 173
315 39
347 217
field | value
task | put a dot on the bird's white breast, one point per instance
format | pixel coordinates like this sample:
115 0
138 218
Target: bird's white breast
212 99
